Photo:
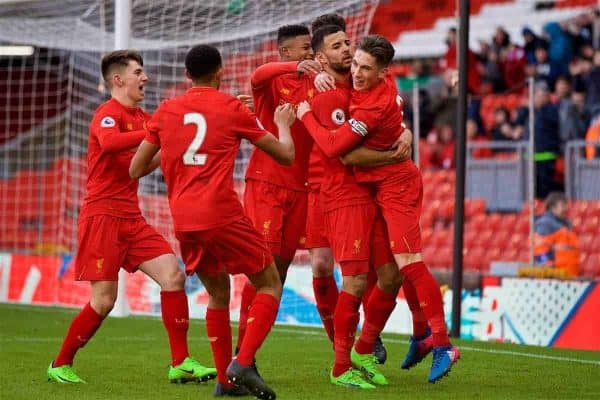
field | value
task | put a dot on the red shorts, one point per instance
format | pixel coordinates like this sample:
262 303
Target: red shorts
235 248
315 221
358 238
278 214
107 243
400 201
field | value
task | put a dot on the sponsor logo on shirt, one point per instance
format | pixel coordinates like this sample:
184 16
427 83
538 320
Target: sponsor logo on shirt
266 227
358 127
107 122
338 116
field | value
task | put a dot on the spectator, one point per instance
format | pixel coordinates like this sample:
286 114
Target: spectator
502 129
514 63
555 242
544 69
450 63
574 118
560 49
593 135
474 136
500 40
546 139
532 41
592 82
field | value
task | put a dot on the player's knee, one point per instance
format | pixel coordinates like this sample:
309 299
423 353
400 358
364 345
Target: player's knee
268 281
389 278
321 266
355 285
173 278
103 303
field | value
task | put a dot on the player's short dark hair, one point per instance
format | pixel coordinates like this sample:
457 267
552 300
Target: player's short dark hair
118 59
290 31
201 61
318 37
379 47
328 19
555 198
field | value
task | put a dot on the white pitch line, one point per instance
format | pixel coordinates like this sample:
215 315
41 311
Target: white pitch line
469 348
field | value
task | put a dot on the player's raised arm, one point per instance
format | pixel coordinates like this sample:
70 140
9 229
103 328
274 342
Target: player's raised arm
282 149
332 143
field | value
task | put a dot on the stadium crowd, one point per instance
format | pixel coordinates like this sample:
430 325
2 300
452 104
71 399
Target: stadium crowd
564 60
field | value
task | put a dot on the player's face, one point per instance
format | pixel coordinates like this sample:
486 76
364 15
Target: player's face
336 52
297 49
133 80
365 71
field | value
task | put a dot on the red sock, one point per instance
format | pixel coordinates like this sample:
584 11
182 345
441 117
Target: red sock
371 283
345 320
418 317
248 294
260 320
378 311
81 330
326 296
176 318
218 330
430 299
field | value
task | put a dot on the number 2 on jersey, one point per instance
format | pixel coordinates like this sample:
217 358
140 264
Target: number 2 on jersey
190 157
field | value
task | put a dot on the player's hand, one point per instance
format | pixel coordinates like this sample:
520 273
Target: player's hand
403 146
309 67
303 108
285 115
324 82
246 100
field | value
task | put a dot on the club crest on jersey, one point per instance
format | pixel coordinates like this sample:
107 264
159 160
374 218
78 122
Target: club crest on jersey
338 116
107 122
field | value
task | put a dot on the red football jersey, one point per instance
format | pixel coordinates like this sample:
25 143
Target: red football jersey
199 134
377 115
339 187
114 131
268 94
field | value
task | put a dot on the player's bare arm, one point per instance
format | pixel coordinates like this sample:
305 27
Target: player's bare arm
282 149
365 157
145 160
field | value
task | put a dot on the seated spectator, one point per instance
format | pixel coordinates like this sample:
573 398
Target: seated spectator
555 242
474 136
502 129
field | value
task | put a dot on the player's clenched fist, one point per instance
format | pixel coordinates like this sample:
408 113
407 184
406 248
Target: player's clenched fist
285 115
303 108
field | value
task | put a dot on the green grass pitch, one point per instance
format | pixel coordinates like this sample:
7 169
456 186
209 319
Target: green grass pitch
128 358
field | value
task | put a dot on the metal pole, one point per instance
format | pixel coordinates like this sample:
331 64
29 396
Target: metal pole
416 124
531 169
459 200
122 38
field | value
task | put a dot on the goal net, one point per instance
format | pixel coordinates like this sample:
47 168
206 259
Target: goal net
50 97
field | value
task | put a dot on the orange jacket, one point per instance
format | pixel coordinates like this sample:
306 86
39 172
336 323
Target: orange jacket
556 244
592 135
